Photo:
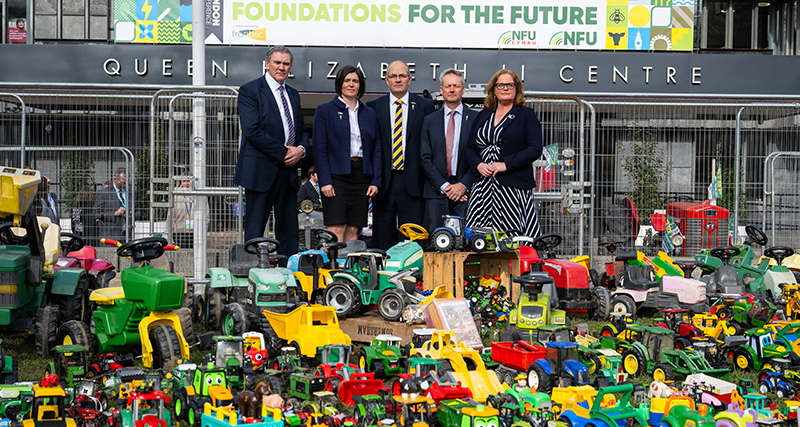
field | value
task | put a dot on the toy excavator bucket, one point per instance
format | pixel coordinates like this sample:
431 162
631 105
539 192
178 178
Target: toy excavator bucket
19 188
358 385
438 292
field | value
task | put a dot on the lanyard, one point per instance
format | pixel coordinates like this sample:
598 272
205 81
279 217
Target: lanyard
120 197
188 206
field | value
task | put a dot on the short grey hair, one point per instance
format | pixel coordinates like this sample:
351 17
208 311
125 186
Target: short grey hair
281 49
454 72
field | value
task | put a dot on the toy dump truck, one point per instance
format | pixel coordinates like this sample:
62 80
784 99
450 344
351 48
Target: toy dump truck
305 328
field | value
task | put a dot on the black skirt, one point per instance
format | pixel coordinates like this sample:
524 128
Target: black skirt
349 206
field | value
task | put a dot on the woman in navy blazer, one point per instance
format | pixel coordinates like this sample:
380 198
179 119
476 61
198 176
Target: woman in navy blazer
504 141
347 155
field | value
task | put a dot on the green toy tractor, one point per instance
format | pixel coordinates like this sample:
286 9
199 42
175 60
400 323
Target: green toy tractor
137 315
758 351
364 282
8 367
208 386
382 357
228 353
236 297
34 296
533 309
69 364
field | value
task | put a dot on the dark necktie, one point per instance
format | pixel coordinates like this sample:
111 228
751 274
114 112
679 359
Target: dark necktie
290 139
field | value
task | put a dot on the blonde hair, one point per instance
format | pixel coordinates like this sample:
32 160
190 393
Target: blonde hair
491 101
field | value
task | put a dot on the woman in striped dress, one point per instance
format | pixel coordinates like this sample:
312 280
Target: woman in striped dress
504 141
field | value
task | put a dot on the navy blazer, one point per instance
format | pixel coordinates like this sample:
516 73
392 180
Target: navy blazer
332 141
262 147
433 151
520 145
420 107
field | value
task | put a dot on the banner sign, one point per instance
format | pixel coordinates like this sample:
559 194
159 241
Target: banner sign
658 25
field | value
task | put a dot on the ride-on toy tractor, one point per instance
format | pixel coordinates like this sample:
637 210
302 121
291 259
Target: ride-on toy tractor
636 291
236 297
35 296
536 308
139 314
69 364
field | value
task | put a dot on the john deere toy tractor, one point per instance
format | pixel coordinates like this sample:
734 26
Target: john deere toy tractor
137 315
228 353
33 295
236 297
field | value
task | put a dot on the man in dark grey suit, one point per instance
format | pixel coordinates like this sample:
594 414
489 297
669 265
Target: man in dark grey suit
110 207
448 177
400 116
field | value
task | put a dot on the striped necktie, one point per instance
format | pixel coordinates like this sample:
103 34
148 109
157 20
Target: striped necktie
397 137
290 139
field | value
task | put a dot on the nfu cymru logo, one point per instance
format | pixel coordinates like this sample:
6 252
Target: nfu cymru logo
518 38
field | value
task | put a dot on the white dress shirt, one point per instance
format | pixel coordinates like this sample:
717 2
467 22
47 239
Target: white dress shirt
459 111
393 110
274 85
356 150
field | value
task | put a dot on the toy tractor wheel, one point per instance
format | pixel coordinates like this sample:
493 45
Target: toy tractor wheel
272 342
234 320
75 306
494 401
197 309
477 243
181 404
602 298
443 240
742 360
13 376
608 331
166 347
593 363
187 326
764 387
361 359
391 305
377 369
539 379
46 329
274 384
663 372
681 343
633 362
623 304
340 296
77 333
214 312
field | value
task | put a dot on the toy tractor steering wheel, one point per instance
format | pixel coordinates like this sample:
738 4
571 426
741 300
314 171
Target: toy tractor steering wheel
378 251
779 253
612 246
251 246
7 237
756 235
72 243
547 242
414 231
725 253
324 236
144 249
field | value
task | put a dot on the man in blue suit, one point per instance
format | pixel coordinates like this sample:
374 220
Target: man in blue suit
400 115
274 139
448 177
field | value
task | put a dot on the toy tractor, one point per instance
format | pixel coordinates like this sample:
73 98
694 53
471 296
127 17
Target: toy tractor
453 234
313 269
758 351
35 296
335 365
382 357
679 321
8 367
559 368
69 364
49 402
208 386
536 308
15 401
776 381
228 353
89 405
146 407
235 298
636 291
364 282
139 314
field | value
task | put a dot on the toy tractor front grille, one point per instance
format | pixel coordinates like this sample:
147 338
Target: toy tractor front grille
265 297
316 384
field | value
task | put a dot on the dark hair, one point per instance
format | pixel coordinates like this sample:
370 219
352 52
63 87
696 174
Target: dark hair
343 72
20 20
281 49
86 195
491 101
120 171
311 171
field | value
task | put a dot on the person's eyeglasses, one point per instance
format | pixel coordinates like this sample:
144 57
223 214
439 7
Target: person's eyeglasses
448 87
397 76
505 85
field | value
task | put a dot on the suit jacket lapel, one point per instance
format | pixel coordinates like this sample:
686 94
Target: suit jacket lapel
412 112
510 117
385 115
466 125
272 106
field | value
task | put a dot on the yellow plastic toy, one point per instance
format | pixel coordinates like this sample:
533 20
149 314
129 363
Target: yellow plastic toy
48 405
306 328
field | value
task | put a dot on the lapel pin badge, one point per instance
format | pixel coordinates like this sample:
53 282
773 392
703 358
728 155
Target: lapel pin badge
511 116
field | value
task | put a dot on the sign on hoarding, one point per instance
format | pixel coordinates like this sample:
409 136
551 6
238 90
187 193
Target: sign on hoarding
517 24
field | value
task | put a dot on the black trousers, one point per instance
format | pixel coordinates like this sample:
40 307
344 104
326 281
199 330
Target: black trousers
396 207
444 206
283 197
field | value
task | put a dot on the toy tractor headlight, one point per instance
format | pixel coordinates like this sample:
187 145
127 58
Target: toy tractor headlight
677 240
282 287
262 287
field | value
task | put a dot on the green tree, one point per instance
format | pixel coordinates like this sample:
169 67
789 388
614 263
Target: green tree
646 168
77 171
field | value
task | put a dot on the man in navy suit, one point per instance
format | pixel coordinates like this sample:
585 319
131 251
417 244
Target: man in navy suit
448 177
274 139
400 116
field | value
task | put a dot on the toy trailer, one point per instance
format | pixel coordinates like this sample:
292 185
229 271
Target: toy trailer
720 389
515 357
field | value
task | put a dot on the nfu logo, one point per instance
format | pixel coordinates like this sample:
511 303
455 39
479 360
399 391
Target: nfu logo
518 38
573 38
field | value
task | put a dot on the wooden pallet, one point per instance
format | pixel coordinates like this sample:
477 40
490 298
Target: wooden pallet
450 269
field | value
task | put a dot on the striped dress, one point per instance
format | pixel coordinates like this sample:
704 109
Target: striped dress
492 204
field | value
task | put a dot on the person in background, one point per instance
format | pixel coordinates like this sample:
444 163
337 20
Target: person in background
347 155
84 223
400 115
504 141
183 218
444 136
45 205
111 205
310 190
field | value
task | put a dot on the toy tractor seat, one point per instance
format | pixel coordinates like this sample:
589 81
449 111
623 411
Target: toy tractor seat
106 296
639 278
51 240
240 262
726 280
307 262
627 256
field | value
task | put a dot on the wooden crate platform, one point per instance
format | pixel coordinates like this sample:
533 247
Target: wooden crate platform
450 269
366 327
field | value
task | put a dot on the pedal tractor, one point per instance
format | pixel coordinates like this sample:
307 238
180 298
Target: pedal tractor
236 297
313 269
636 290
36 297
575 291
453 234
535 308
228 353
364 282
137 314
662 264
49 402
